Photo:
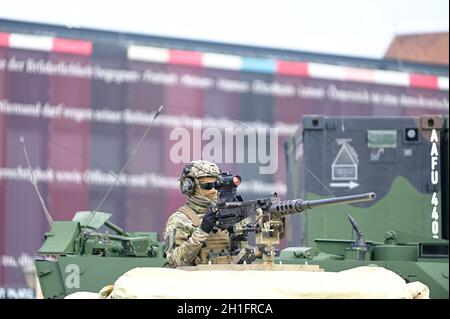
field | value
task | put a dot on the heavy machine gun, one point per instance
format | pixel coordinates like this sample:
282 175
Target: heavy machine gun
265 217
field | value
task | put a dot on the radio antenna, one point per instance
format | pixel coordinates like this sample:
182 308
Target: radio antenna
129 159
33 181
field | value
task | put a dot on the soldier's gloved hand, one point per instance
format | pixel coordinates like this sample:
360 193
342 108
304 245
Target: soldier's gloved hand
209 220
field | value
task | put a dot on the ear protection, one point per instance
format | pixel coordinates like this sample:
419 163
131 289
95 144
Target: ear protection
187 182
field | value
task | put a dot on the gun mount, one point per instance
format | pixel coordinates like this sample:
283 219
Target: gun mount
77 255
359 244
81 236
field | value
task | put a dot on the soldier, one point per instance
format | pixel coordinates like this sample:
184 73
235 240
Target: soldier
189 234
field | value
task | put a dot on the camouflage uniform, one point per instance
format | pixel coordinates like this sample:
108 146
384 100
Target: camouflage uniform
183 236
183 240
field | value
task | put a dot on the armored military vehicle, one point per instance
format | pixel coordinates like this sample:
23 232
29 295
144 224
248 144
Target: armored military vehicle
77 256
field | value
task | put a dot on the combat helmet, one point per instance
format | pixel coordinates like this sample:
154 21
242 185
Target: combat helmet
194 170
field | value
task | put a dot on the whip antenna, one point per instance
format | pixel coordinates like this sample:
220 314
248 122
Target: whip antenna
33 181
129 158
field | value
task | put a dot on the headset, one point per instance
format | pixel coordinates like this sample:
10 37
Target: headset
187 182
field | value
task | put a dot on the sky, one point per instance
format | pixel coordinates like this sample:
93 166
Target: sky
361 28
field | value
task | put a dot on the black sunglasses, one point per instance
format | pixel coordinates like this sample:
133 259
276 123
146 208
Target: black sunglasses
207 186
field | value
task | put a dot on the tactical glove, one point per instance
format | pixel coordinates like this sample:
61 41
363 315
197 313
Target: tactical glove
209 220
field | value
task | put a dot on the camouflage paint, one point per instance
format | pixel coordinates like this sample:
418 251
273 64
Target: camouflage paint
402 159
386 214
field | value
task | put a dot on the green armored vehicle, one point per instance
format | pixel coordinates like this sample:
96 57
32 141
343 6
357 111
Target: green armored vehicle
80 258
76 256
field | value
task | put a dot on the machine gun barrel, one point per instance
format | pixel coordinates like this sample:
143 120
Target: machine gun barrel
298 205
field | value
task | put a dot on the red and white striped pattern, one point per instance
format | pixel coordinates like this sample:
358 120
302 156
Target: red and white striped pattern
231 62
43 43
302 69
